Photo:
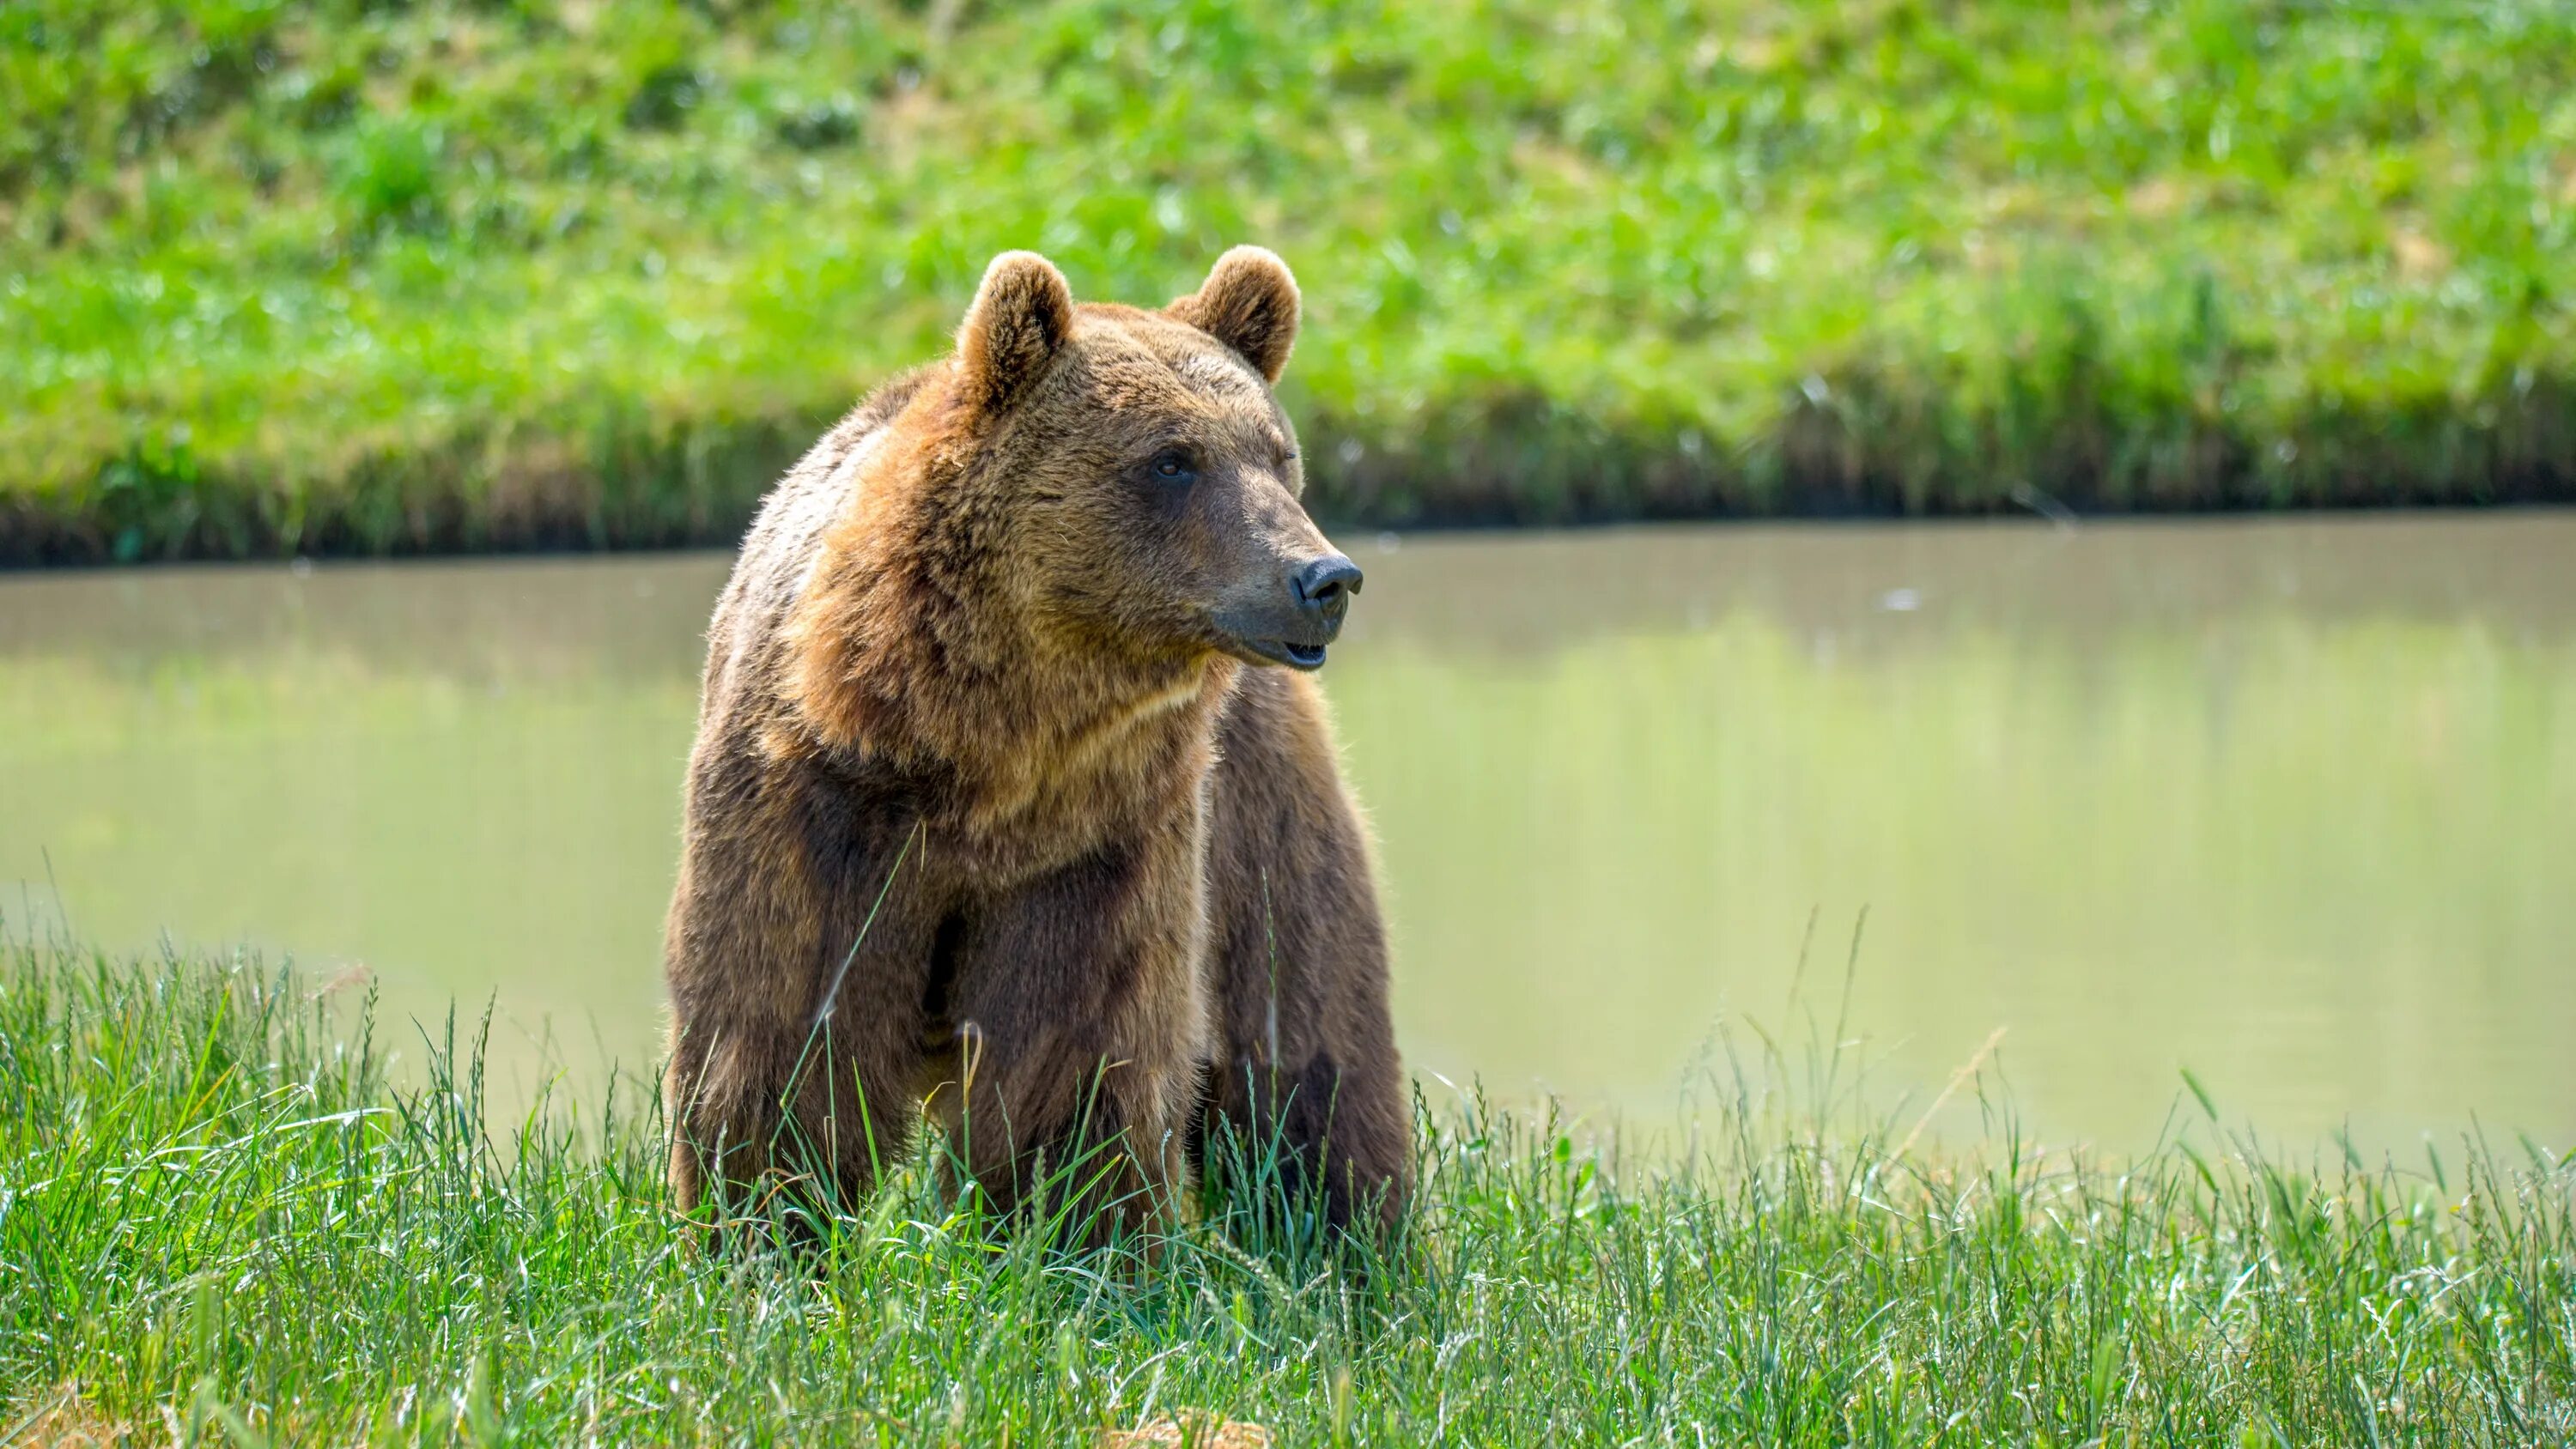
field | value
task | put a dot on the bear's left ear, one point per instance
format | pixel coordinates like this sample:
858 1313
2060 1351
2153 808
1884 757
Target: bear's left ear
1249 303
1022 314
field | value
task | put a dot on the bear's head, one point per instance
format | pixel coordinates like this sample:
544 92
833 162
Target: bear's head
1102 491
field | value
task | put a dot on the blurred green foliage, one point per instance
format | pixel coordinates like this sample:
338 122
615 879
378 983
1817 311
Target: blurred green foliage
384 277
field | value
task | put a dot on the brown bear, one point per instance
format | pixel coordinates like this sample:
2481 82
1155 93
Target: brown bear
1012 800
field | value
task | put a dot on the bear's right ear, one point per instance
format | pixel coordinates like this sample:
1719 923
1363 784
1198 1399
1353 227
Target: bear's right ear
1022 315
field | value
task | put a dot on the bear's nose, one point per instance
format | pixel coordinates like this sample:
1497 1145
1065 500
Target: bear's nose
1324 588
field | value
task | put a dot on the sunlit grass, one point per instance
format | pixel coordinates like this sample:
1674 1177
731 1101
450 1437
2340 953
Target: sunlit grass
363 277
219 1223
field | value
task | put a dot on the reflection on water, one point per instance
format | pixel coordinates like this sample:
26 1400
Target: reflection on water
2292 804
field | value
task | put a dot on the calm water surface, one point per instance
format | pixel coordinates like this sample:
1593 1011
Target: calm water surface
2289 804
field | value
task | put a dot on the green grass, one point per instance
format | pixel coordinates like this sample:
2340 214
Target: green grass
380 278
219 1222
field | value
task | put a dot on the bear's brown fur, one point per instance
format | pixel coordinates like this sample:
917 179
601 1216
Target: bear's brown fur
986 811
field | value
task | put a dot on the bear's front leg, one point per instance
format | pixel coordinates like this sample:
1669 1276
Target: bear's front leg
1079 1016
1307 1090
796 983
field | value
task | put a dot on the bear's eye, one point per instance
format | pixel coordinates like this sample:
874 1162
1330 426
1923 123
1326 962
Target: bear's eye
1172 465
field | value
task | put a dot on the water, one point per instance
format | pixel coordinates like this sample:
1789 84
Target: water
2290 804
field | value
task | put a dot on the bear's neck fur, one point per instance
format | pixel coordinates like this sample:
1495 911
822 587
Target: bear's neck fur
914 649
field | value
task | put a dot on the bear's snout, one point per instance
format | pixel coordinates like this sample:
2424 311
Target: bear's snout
1292 620
1323 592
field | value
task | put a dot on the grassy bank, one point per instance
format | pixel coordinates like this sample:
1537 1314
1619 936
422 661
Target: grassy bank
218 1222
365 278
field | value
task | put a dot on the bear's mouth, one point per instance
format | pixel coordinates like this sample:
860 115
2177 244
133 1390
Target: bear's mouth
1281 651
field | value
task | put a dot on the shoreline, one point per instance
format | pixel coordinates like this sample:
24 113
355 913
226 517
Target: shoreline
419 509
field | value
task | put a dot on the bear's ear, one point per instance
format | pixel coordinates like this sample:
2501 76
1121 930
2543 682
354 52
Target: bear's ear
1021 316
1249 303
